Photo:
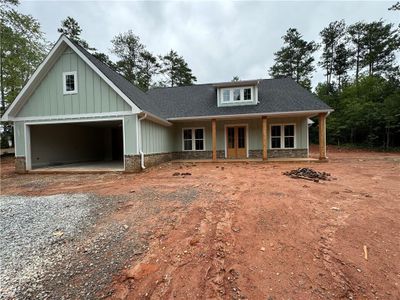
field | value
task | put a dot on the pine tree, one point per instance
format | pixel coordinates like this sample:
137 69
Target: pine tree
295 59
332 36
356 34
381 42
176 70
128 48
72 30
148 69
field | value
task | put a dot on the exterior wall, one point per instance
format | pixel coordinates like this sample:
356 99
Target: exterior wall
156 138
254 134
131 135
93 96
19 138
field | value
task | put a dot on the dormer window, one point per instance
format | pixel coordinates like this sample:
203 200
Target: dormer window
70 84
231 95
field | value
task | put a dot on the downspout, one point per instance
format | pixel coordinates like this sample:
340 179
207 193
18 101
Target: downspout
140 141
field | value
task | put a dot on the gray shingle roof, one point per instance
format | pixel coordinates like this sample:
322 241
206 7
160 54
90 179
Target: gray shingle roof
274 95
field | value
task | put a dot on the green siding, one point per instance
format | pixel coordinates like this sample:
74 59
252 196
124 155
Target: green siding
156 138
130 135
94 94
19 133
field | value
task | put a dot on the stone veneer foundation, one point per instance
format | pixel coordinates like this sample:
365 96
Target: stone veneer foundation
132 162
280 153
20 164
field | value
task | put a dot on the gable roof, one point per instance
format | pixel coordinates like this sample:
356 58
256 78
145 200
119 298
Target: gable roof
274 96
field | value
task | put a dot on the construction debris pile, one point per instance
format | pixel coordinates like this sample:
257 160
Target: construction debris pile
308 174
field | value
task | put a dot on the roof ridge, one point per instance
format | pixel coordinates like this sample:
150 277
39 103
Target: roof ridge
214 83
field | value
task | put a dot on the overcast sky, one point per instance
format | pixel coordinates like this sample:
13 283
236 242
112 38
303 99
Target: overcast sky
218 39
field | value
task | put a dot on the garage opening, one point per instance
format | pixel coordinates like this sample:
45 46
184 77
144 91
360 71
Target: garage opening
85 146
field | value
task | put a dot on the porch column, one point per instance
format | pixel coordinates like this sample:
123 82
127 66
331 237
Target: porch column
322 136
264 138
214 139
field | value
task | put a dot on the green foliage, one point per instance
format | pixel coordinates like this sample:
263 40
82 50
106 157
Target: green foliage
295 59
22 48
367 112
175 70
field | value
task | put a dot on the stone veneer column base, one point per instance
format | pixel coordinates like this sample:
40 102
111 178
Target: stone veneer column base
20 164
132 163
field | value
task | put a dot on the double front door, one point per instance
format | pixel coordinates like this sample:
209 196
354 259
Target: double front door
236 142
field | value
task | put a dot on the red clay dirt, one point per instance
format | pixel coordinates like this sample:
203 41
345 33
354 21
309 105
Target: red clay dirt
251 232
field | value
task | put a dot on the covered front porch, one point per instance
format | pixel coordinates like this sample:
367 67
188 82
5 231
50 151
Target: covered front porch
257 138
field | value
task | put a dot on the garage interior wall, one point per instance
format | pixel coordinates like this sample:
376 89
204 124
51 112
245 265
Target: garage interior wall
70 143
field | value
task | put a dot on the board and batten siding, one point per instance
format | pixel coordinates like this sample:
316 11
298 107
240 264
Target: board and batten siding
94 94
156 138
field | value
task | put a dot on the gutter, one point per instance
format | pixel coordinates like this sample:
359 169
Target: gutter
140 141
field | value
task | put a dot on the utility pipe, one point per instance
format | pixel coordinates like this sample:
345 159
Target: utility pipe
140 141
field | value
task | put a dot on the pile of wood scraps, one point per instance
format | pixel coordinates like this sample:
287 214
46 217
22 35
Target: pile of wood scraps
308 174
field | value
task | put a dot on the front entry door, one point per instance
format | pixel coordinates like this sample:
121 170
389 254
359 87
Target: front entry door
236 142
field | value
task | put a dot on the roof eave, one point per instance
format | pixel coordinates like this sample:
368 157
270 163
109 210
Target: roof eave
306 113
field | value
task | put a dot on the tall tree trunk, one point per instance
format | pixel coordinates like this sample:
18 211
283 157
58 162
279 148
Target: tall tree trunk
357 63
387 137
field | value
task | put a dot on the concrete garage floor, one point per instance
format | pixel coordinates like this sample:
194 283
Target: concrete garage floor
92 166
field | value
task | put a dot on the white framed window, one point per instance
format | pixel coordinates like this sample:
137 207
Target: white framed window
247 94
193 139
283 136
233 95
226 95
70 83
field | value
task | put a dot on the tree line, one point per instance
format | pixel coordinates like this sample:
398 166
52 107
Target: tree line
359 61
362 79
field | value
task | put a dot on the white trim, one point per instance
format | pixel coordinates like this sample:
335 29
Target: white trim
62 41
241 93
282 125
194 138
156 119
243 116
247 137
64 78
75 116
27 140
75 121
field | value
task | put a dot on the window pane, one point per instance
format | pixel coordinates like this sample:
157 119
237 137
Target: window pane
187 144
231 137
276 131
199 144
247 94
69 83
289 130
275 142
236 94
241 137
289 142
198 133
187 134
226 95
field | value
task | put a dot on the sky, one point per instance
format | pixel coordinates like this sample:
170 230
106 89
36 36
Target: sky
219 40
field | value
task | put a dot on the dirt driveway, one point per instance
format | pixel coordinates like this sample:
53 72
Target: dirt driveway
245 231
